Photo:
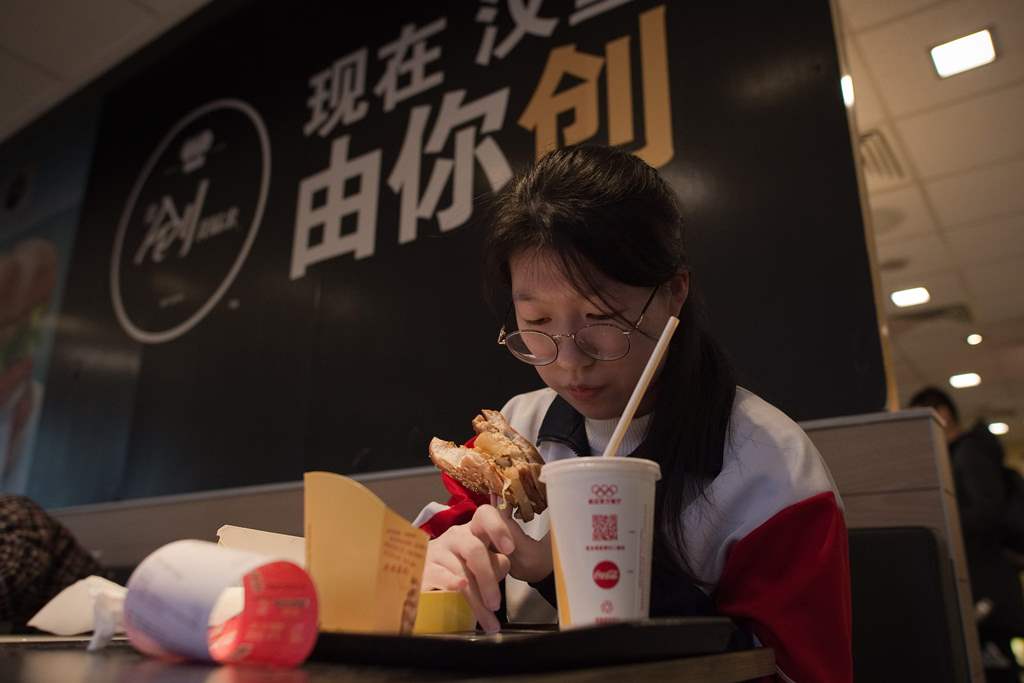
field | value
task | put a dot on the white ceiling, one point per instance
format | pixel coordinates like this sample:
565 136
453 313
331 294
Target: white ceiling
953 222
51 48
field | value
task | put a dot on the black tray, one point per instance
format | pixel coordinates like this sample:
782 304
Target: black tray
537 648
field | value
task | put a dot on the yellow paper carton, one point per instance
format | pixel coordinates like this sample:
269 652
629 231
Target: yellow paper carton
443 612
365 559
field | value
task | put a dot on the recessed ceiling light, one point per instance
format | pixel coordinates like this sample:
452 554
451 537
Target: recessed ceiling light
846 83
998 428
965 380
963 54
914 296
975 339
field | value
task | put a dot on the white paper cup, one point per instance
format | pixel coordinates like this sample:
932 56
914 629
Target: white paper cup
602 529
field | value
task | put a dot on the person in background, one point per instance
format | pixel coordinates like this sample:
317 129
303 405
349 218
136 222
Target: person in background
38 559
977 460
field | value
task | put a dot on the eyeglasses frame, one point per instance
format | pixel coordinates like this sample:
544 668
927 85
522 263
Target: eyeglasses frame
503 335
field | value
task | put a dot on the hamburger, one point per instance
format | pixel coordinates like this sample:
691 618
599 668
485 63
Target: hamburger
500 462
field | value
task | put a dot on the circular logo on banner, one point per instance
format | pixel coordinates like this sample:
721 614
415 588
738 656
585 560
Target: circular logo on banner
606 574
190 220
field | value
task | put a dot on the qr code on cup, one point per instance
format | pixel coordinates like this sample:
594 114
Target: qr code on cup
606 527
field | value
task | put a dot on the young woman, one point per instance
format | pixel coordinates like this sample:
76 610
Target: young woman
589 243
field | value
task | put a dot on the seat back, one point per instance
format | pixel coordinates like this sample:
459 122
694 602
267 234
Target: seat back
893 472
906 622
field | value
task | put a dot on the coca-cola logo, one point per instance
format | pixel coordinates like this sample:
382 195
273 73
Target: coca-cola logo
606 574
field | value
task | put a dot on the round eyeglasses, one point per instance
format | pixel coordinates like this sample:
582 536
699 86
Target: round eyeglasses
600 341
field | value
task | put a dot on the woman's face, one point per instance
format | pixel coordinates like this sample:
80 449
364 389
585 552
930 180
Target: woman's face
545 300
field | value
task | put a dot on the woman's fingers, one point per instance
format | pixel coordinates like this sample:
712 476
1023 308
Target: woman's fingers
492 528
502 565
454 564
481 569
515 531
470 588
436 576
484 616
518 535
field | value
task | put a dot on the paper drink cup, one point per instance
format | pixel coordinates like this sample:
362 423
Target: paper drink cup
602 530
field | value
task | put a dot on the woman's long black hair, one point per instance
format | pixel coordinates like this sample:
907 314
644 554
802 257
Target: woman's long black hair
598 207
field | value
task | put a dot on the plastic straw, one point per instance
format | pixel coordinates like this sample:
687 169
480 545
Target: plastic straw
641 387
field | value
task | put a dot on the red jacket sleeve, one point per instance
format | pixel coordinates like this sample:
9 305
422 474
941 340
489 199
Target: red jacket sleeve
461 505
789 582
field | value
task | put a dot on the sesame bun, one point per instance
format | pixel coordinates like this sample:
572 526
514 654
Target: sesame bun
501 463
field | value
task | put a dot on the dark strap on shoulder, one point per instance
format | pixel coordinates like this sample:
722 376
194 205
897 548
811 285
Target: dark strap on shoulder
546 587
563 424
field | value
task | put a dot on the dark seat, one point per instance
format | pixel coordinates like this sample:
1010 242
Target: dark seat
906 618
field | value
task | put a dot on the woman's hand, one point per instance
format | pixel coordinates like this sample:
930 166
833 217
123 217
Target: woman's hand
472 559
531 561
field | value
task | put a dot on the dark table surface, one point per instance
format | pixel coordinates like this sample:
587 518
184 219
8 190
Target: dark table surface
39 660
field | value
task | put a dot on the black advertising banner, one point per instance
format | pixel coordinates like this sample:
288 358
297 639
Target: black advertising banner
277 265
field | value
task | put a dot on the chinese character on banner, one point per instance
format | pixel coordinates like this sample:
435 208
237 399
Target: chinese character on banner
524 14
588 9
336 93
325 200
458 116
545 105
412 67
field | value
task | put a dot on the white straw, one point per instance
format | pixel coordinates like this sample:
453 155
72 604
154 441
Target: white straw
641 387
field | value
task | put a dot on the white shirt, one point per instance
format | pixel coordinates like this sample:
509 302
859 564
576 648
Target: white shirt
769 463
